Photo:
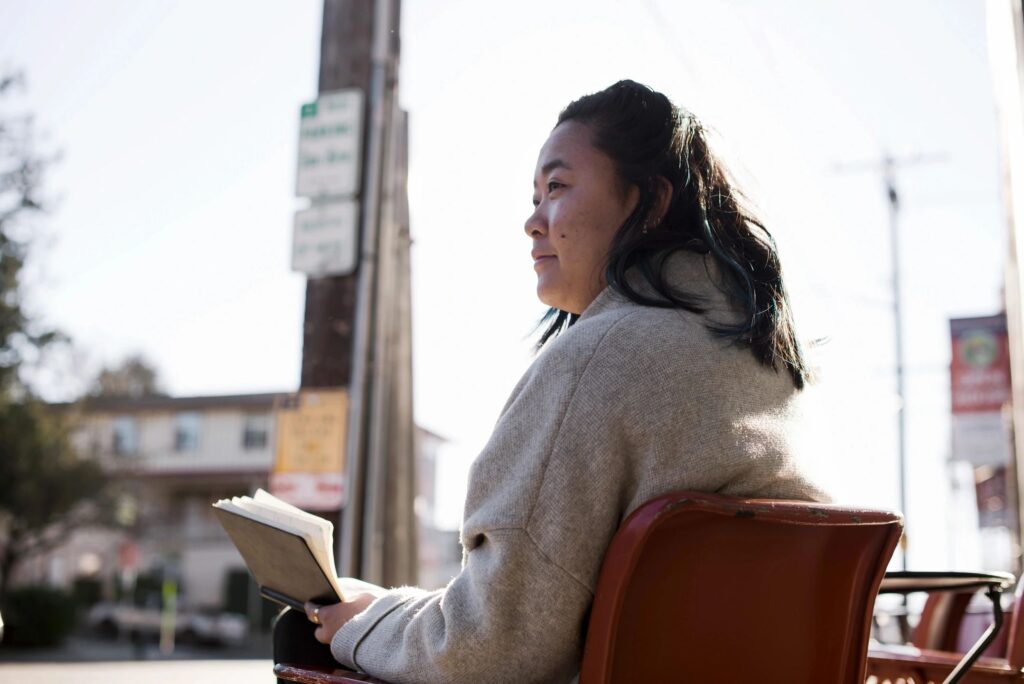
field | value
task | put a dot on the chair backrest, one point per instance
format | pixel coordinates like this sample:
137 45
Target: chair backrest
703 588
1015 633
939 626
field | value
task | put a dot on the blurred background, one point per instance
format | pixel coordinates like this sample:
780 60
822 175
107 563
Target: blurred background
256 245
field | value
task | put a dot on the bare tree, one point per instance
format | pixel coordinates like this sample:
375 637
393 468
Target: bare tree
21 175
134 377
46 490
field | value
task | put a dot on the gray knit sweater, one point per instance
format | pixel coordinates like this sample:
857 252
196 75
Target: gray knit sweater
630 403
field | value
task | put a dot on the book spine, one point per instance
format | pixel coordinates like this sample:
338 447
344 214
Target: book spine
277 597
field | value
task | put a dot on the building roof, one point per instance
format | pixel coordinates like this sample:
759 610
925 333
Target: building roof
163 402
167 403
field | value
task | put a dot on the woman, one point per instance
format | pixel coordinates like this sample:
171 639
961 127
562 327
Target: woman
670 363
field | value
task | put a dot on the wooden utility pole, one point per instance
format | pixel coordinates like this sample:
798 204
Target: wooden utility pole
329 325
358 327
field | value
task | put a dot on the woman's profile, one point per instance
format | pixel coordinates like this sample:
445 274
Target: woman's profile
669 362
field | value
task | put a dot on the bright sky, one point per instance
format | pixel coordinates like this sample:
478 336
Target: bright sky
178 123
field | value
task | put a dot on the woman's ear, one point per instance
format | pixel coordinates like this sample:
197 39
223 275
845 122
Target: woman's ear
662 197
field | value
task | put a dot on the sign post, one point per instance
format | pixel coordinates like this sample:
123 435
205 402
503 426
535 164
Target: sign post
309 462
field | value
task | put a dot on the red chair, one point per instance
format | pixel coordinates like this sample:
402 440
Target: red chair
950 633
704 588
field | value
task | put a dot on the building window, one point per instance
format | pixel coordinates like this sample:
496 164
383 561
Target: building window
126 436
186 432
254 435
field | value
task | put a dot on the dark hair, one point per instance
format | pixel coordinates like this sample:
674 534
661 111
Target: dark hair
648 137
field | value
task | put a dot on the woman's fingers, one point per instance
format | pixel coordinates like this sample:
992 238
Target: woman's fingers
312 612
329 619
313 615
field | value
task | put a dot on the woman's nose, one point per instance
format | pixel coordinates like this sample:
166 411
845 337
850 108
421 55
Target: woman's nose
536 225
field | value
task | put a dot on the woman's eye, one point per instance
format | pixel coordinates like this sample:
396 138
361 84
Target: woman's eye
554 185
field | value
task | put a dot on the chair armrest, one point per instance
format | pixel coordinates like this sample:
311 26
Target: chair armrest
322 675
933 662
906 582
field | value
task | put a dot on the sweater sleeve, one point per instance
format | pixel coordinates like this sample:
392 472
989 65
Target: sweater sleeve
517 610
509 615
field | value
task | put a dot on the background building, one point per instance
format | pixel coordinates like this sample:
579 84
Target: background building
173 457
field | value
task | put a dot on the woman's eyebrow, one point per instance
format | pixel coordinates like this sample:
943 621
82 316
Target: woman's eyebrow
551 166
554 164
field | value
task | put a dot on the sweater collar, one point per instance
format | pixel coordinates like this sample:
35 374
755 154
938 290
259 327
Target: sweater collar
690 273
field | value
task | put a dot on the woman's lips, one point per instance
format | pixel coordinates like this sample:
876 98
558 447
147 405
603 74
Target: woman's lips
542 259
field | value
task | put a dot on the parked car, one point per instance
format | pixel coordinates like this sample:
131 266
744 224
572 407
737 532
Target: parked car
207 626
211 626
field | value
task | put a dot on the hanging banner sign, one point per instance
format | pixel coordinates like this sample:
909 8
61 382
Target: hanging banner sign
980 369
980 385
309 462
330 145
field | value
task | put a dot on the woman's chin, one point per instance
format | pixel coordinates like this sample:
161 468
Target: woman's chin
546 295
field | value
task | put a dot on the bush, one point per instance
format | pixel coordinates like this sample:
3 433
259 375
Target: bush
37 616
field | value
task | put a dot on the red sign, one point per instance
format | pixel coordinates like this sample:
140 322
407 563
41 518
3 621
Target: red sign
311 491
980 370
128 555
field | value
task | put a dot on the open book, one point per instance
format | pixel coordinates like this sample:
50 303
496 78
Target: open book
290 553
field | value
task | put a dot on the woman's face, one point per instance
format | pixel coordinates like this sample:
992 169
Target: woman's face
579 203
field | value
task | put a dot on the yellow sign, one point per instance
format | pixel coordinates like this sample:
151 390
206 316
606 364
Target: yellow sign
311 432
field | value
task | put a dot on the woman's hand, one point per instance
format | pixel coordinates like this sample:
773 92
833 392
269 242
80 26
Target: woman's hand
331 618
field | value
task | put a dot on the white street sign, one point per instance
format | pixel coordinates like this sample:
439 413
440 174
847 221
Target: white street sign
324 239
330 132
981 438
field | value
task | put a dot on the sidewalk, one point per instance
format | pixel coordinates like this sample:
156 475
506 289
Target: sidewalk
84 659
146 672
85 648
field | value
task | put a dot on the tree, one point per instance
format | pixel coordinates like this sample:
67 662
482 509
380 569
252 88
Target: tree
46 490
134 377
21 172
